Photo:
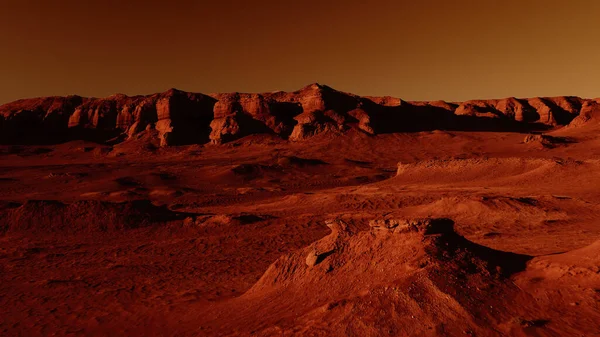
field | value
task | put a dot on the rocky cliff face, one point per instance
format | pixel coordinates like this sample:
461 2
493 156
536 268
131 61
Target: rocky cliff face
589 115
37 119
237 115
179 117
185 118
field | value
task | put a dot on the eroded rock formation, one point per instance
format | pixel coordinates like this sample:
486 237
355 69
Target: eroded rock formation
185 118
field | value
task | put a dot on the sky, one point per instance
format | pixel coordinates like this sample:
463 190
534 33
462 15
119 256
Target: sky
416 50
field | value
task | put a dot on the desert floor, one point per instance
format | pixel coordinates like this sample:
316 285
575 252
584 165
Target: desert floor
223 247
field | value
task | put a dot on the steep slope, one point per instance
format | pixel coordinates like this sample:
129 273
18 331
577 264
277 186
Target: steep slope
37 119
237 115
589 116
179 117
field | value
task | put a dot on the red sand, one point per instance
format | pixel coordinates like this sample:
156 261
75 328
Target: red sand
422 233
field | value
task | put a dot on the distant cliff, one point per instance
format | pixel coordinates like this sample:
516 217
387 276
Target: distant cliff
192 118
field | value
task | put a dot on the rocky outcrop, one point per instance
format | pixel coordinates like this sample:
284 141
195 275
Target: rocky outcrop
185 118
478 109
546 141
556 110
588 116
298 115
179 117
348 276
545 110
311 123
237 115
516 109
511 108
138 118
364 120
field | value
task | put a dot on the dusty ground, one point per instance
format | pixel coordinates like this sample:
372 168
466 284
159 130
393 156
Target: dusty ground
229 251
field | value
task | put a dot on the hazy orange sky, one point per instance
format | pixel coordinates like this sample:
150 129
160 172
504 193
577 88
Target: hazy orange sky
416 50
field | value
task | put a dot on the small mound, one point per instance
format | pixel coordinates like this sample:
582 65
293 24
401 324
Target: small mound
145 142
470 171
120 196
164 176
252 171
299 162
248 169
359 163
127 182
546 141
421 242
25 151
582 264
403 276
165 193
84 216
224 220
